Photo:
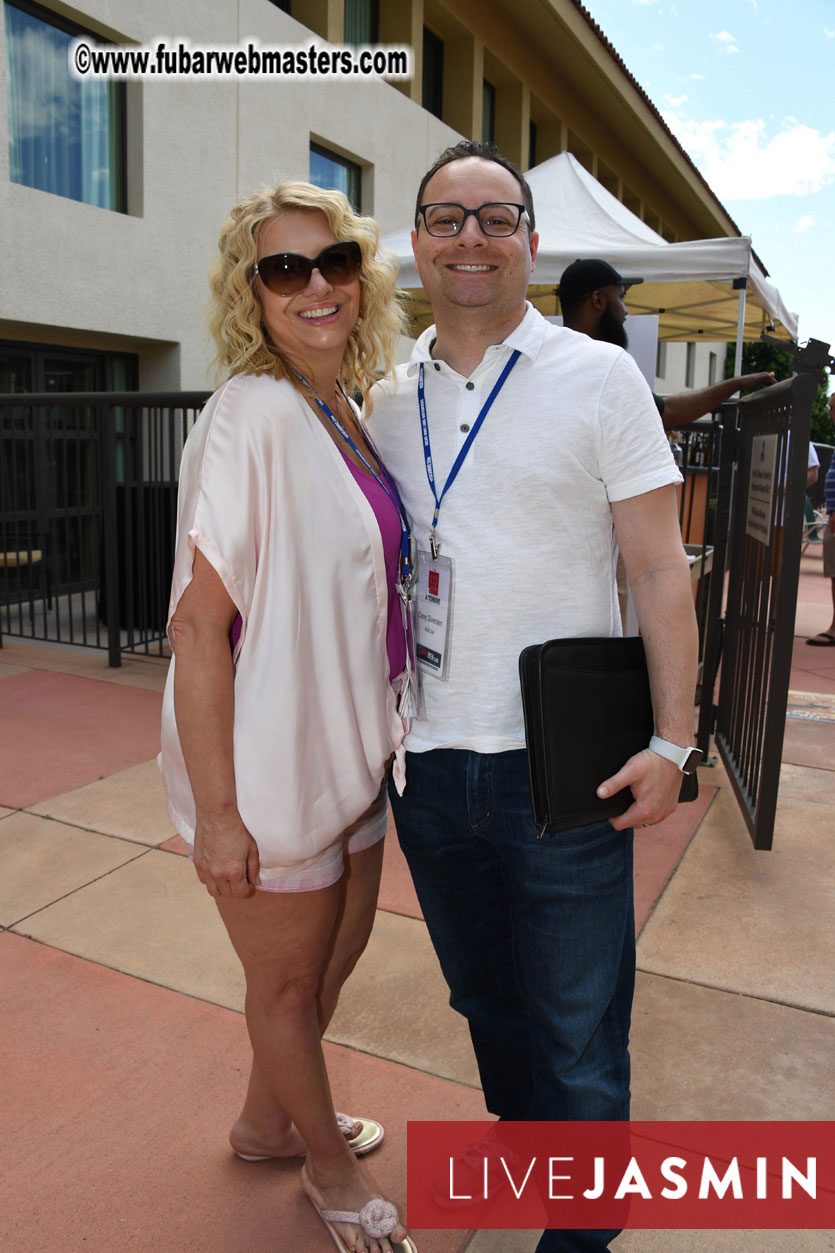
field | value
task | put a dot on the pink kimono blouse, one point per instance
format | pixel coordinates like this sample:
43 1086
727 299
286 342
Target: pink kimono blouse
269 500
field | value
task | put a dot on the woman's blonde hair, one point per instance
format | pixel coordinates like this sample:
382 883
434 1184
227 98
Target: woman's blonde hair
235 315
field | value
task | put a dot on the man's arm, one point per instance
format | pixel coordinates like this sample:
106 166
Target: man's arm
649 538
687 406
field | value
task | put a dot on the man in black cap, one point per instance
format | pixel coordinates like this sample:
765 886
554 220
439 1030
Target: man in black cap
592 300
591 297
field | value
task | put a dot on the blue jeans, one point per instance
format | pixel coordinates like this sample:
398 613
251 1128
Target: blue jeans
536 939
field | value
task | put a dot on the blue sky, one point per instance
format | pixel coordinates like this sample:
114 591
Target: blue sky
748 89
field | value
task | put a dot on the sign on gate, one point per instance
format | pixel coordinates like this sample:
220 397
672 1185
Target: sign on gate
761 487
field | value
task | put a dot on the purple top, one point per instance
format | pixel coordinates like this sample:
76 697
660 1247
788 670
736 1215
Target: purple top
388 521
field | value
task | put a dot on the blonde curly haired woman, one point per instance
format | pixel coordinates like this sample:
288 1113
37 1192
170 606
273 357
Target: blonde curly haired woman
281 710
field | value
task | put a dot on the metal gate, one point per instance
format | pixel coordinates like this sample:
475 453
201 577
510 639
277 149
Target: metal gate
759 517
88 484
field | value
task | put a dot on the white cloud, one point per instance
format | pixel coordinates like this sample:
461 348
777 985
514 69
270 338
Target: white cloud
742 162
674 102
725 42
803 223
697 78
830 34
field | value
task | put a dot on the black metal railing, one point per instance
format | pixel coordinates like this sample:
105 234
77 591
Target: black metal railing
88 486
749 633
762 483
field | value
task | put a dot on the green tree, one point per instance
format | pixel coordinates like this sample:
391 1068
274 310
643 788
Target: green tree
761 356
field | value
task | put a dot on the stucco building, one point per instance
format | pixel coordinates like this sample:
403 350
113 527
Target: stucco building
112 194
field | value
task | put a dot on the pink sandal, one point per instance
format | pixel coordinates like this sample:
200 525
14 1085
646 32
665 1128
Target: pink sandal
377 1218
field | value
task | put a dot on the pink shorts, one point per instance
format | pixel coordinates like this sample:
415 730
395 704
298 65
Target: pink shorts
324 869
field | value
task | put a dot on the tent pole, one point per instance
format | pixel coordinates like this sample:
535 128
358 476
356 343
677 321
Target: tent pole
741 284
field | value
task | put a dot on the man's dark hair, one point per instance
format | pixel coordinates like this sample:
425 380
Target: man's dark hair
487 152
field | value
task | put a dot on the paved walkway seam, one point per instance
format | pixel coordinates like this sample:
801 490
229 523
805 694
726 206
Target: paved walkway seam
74 892
745 996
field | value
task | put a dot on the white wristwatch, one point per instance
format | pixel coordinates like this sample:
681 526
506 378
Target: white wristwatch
687 759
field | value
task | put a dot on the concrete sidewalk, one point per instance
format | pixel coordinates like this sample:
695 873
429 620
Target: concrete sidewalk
125 1050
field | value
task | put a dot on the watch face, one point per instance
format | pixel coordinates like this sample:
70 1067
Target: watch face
693 758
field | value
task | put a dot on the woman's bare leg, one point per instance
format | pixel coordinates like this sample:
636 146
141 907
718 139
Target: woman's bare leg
285 941
263 1128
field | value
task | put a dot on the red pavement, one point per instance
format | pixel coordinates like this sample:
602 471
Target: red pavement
115 1124
58 731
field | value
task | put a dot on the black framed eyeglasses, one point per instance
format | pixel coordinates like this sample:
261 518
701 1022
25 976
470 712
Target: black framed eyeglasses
494 218
286 273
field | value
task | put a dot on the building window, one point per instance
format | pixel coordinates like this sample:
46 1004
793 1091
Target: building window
328 169
65 136
362 21
661 360
712 364
284 5
690 366
488 112
531 144
433 73
53 368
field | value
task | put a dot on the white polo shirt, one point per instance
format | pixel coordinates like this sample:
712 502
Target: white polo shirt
527 522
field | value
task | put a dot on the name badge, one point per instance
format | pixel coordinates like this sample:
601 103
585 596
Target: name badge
433 613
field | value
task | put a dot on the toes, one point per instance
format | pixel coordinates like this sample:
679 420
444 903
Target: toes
356 1240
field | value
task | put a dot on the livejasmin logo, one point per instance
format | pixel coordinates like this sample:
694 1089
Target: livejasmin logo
632 1181
686 1175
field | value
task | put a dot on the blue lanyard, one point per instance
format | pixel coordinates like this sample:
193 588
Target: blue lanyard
465 448
384 482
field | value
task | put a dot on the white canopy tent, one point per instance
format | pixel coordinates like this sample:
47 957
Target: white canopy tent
695 287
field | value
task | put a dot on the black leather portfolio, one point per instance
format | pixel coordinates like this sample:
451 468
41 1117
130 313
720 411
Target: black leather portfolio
587 710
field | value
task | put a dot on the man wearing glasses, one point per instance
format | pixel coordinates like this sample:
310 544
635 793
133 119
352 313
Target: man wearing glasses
505 435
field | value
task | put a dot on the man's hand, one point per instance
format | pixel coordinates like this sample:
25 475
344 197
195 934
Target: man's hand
655 784
753 382
685 407
226 856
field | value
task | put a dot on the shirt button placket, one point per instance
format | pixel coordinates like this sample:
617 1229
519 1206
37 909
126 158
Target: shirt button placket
467 410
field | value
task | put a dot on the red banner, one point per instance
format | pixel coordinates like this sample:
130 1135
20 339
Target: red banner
668 1175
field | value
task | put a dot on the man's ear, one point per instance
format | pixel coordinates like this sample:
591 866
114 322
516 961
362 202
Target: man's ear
534 245
598 301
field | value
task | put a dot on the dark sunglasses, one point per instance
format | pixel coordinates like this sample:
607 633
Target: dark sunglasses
286 273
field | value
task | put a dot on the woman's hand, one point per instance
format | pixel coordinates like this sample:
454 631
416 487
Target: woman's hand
226 856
